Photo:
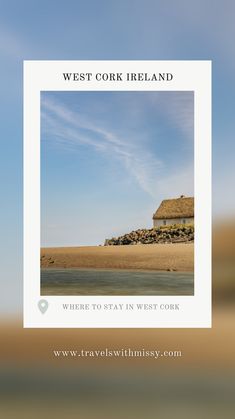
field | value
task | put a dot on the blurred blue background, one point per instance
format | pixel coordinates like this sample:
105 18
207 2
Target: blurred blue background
133 30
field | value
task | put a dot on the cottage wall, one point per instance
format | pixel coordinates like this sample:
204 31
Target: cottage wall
171 221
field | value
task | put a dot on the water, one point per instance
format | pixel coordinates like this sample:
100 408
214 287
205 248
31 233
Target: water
115 282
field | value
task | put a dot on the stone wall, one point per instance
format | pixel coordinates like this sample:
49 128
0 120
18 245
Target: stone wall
163 234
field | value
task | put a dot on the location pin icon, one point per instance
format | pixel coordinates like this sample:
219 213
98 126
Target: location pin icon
43 306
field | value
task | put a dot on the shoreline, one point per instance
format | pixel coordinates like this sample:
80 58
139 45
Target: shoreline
116 269
149 257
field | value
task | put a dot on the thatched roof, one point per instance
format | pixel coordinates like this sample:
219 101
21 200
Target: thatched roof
175 208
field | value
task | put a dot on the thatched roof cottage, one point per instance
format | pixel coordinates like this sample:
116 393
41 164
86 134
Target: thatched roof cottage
174 211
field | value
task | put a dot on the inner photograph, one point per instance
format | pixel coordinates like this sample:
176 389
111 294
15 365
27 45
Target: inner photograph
117 193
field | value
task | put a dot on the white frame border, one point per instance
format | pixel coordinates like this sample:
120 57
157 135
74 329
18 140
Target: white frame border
195 311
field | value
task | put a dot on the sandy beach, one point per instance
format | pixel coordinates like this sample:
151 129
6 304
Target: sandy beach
179 257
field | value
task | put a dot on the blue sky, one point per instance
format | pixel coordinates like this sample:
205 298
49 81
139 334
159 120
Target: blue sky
127 29
109 158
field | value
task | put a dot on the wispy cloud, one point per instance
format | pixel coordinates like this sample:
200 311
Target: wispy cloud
73 129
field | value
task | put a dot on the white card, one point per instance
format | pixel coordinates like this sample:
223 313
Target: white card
117 150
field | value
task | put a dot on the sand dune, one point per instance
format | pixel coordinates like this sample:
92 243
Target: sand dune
178 257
